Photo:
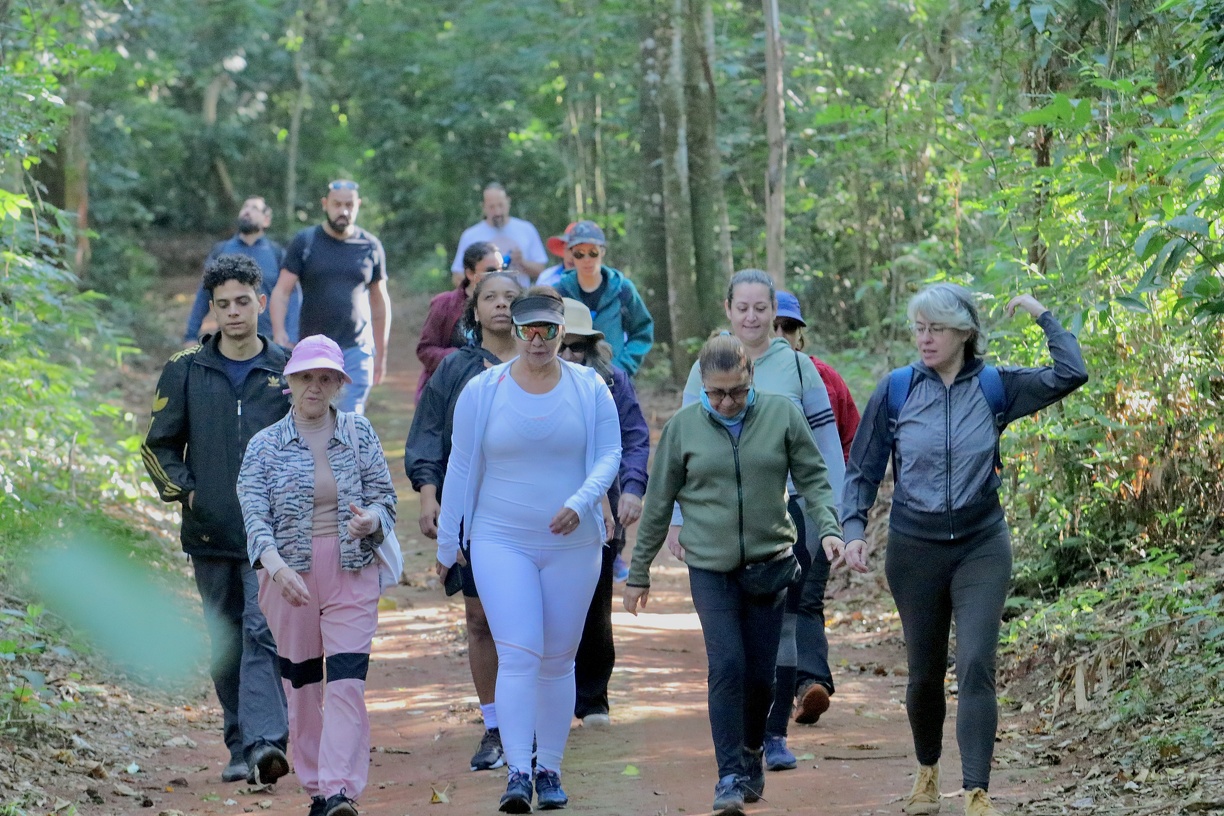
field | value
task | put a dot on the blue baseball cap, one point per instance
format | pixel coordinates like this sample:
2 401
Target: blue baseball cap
585 232
788 307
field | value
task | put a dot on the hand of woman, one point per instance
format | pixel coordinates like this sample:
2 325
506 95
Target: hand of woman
428 521
441 572
293 588
833 547
629 509
564 523
854 555
364 523
673 542
1028 303
635 599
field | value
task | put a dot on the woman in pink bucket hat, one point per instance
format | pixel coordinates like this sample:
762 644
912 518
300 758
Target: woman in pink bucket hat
317 500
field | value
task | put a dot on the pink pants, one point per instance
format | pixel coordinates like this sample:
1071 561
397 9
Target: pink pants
329 731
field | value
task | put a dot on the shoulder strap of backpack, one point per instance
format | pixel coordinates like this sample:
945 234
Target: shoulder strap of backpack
310 239
899 383
799 370
992 388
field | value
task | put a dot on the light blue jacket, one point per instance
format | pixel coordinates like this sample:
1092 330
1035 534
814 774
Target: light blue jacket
466 467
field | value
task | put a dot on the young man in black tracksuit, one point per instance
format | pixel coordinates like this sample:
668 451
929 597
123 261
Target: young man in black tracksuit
210 401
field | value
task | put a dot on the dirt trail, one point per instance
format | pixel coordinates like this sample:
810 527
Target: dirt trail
426 724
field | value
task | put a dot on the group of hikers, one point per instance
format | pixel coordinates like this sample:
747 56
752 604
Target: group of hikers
532 456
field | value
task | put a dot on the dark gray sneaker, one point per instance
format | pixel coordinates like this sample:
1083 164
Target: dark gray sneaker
489 755
340 805
236 770
549 795
268 764
517 798
729 796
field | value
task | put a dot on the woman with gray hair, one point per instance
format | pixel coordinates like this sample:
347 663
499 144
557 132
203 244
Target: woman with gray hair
949 553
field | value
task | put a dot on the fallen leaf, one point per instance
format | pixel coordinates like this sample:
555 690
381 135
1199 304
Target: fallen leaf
179 742
97 771
124 790
439 797
133 768
265 804
630 770
229 802
805 757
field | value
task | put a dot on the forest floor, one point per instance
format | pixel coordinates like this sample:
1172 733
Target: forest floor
136 750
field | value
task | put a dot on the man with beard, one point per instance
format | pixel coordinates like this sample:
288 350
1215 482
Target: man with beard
518 240
343 272
211 399
251 240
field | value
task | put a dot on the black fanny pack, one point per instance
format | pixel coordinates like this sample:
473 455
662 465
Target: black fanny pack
763 578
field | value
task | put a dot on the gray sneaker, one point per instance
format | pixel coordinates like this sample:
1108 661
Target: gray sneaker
489 755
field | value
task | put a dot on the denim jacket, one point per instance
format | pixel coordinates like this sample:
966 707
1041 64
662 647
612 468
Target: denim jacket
276 490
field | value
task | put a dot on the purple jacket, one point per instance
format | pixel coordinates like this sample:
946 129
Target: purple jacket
635 439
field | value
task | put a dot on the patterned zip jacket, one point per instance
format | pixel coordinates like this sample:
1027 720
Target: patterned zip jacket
276 490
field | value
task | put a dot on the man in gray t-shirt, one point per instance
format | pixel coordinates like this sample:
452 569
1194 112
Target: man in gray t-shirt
342 269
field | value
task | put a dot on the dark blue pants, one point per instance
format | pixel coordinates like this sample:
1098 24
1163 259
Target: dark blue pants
596 651
935 583
741 639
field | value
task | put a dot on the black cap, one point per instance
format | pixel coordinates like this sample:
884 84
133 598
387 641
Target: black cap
537 309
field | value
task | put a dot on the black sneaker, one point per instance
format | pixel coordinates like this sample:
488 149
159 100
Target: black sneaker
549 795
729 796
753 780
517 798
340 805
267 764
318 806
489 755
236 770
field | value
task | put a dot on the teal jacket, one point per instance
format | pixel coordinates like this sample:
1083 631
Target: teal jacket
621 316
733 493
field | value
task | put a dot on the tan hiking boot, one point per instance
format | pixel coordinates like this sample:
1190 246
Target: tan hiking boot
977 803
924 798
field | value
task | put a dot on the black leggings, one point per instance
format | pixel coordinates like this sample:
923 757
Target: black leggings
934 583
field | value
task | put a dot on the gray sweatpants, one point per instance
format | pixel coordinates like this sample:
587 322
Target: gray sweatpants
934 583
245 669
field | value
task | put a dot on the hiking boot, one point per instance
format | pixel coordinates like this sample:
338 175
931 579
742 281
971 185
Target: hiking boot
489 755
777 756
517 798
340 805
977 803
924 798
549 795
598 719
729 796
268 764
318 806
236 770
813 700
753 781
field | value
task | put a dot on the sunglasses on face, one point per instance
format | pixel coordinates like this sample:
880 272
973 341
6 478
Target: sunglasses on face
342 185
717 395
577 347
544 331
578 256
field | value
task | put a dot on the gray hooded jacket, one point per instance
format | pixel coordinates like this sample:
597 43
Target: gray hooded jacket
946 438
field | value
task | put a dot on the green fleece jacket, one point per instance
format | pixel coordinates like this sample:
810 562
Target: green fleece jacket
732 493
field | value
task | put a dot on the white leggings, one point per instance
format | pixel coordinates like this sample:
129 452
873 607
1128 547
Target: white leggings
536 601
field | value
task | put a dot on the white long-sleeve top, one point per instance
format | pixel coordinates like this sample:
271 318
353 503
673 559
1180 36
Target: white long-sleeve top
478 462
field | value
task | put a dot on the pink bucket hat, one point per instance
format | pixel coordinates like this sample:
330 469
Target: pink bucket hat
316 351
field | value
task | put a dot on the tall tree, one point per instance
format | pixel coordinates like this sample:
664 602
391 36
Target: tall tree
775 130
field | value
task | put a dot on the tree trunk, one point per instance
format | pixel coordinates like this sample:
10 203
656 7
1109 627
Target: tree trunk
650 230
682 300
775 129
295 120
76 178
212 95
709 204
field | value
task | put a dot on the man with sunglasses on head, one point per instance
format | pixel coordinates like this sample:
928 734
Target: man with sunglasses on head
617 309
343 273
518 239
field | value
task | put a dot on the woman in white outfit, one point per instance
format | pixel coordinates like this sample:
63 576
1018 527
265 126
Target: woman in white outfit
536 445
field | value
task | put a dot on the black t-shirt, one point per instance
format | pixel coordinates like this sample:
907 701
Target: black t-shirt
336 277
591 299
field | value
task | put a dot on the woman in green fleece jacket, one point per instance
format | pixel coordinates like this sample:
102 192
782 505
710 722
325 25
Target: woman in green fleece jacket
725 461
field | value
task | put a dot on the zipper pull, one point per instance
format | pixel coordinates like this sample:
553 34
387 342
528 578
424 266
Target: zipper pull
239 407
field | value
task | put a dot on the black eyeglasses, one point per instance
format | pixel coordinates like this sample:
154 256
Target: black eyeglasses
717 395
342 185
578 256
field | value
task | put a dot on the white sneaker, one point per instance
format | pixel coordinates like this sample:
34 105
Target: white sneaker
596 720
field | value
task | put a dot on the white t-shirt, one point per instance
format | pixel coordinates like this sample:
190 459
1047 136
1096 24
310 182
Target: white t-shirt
535 461
517 234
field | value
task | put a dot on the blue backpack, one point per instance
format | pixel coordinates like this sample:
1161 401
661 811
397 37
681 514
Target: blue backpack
901 380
